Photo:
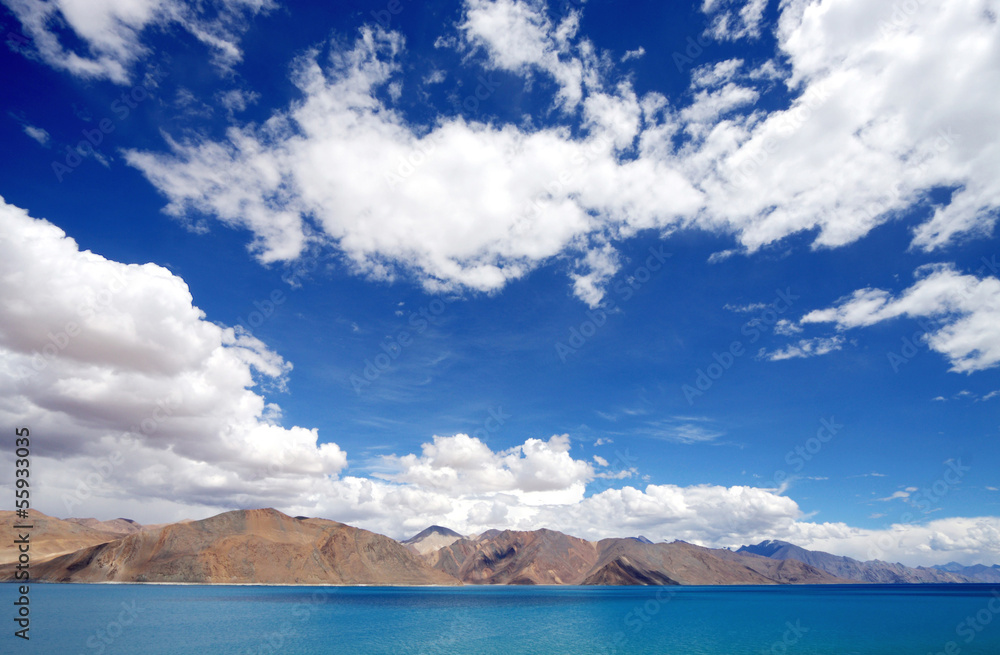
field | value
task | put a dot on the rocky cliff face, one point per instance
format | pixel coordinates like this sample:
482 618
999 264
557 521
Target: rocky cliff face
261 546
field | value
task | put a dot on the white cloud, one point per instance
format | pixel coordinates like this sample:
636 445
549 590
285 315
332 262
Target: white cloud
519 37
805 348
459 203
112 30
107 358
537 472
685 433
150 411
966 308
734 19
967 540
786 328
638 53
36 133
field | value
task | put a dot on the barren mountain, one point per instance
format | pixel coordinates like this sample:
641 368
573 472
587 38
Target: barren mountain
975 573
631 562
431 539
875 571
511 557
114 526
49 536
549 557
260 546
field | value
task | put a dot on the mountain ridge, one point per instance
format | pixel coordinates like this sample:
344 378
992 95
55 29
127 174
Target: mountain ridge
265 546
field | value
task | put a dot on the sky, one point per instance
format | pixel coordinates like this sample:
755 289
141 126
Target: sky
723 271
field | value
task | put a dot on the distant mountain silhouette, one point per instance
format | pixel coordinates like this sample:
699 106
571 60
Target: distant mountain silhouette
875 571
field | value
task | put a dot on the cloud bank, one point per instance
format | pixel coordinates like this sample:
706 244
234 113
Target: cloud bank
462 204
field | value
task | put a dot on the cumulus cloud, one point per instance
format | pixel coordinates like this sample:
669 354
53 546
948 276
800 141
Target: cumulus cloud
462 204
968 540
965 310
114 361
112 30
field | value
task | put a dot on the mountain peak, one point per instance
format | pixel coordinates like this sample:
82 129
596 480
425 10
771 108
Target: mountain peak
432 538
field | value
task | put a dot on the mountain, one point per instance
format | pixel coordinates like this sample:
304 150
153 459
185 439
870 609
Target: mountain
550 557
50 536
630 562
114 526
976 573
513 557
875 571
244 546
266 546
431 539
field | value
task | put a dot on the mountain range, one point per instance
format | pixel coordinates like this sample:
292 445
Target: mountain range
265 546
875 571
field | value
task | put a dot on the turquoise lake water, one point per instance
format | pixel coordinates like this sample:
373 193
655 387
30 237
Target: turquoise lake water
238 620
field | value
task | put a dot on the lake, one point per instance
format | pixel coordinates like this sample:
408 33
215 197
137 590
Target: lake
244 620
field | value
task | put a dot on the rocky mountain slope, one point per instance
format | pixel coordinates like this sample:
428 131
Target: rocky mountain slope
875 571
50 536
976 573
550 557
261 546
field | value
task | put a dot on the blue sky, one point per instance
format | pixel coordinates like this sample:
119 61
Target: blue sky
609 271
